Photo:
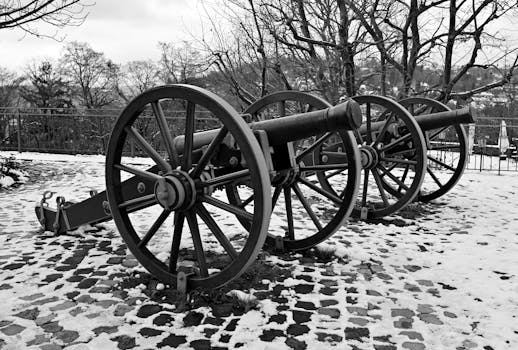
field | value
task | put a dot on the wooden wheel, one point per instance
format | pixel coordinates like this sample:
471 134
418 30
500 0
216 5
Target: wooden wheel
304 214
183 222
447 150
393 157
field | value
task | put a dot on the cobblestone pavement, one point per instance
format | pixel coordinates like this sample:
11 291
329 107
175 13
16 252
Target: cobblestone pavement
437 276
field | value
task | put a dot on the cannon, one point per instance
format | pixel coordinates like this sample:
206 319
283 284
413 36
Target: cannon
210 167
395 141
447 146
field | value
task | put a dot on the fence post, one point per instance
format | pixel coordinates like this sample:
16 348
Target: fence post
19 130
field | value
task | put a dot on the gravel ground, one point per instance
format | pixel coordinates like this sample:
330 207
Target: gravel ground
436 276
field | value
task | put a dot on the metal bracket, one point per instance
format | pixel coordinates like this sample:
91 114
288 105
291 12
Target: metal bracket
279 243
181 283
61 211
364 212
43 203
182 277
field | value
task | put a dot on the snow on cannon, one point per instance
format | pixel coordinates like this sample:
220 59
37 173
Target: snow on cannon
401 144
198 213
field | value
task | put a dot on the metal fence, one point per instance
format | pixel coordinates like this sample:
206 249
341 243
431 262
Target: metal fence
486 152
56 130
75 131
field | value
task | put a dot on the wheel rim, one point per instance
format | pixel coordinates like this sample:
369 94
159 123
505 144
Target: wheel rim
297 194
181 190
390 142
440 142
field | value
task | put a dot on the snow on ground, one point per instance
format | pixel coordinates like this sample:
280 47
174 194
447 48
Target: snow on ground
442 275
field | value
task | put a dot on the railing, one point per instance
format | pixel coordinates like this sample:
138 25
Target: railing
75 131
486 153
56 130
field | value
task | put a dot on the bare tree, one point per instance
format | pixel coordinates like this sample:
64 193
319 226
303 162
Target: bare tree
9 84
136 77
180 63
306 45
27 14
48 88
454 36
93 76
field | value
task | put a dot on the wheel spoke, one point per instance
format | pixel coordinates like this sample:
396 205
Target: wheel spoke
227 207
276 194
224 179
379 183
334 173
198 245
148 199
434 177
396 142
246 201
215 229
394 178
369 121
209 152
324 167
403 152
190 121
289 213
435 160
438 132
321 191
383 130
399 161
179 219
154 228
365 187
146 147
164 132
138 172
359 137
403 178
312 147
306 205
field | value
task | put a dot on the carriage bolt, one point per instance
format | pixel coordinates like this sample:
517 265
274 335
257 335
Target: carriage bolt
106 207
233 161
141 187
325 159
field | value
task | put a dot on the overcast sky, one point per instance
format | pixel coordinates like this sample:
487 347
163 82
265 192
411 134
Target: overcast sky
127 30
124 30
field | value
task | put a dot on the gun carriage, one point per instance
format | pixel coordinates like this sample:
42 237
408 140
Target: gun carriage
299 160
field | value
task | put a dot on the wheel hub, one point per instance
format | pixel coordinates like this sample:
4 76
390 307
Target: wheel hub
369 156
175 191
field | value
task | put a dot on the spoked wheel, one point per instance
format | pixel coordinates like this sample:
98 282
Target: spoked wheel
304 214
393 158
447 150
183 222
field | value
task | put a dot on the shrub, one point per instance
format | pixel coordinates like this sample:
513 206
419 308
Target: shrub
11 172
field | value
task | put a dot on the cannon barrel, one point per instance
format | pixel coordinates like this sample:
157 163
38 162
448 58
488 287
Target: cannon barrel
344 116
433 120
442 119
